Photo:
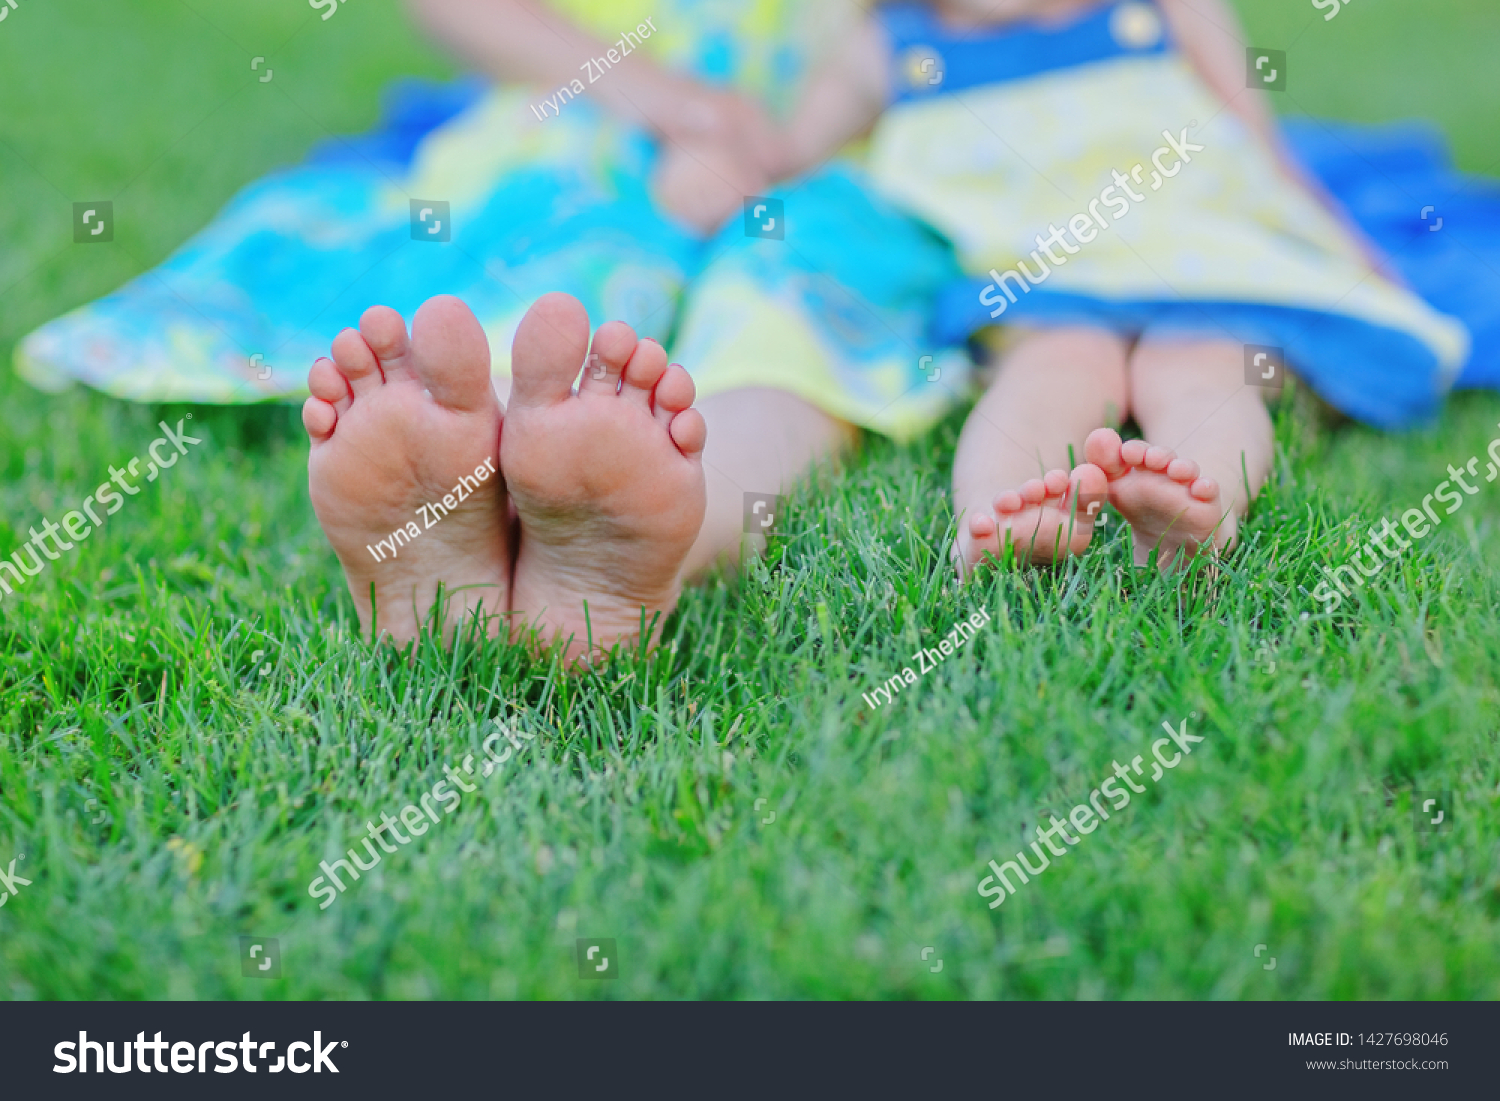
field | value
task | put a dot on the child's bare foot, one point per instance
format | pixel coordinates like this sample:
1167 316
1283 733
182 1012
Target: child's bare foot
398 424
1039 519
1170 508
608 485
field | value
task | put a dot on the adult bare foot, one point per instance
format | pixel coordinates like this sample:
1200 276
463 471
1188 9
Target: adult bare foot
402 473
1040 519
608 482
1169 507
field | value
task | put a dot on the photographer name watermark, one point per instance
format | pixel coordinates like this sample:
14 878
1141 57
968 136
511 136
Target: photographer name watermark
432 513
928 659
596 67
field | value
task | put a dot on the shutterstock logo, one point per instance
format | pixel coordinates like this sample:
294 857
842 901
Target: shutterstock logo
189 1058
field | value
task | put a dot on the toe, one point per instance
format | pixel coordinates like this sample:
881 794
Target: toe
550 345
325 382
319 418
450 355
1158 459
1183 470
643 372
1102 449
1088 490
982 526
1056 482
1009 501
673 394
356 362
385 335
1205 489
1034 492
1133 452
689 432
611 350
1090 481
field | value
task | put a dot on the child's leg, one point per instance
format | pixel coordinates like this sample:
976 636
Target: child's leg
759 441
1010 473
1189 398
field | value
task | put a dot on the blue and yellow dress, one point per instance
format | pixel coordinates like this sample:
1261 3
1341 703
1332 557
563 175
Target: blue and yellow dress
855 304
832 305
999 136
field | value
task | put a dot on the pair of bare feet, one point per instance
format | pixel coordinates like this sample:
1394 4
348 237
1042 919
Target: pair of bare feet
600 492
1171 508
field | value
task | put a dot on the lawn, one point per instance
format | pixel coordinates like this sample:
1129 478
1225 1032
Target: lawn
189 721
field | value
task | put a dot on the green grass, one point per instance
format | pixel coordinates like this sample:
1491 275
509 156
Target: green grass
129 674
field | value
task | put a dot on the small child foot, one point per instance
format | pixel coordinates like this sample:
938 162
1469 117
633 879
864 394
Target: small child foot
1169 506
1039 519
397 423
608 482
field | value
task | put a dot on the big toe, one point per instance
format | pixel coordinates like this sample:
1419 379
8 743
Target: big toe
1102 449
1090 482
549 350
450 354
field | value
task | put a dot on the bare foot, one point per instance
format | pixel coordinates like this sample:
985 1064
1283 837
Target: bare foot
1039 519
1170 508
405 439
608 482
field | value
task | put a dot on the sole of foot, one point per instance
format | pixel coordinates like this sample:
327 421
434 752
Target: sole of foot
402 472
1046 519
607 480
1171 508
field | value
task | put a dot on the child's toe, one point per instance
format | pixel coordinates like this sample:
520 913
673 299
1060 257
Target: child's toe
325 382
319 418
356 362
384 334
450 355
1056 482
1183 470
1133 452
1102 448
1158 459
646 369
550 343
611 350
1090 485
689 432
673 394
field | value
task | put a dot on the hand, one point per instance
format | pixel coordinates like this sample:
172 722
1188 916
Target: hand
731 120
704 181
